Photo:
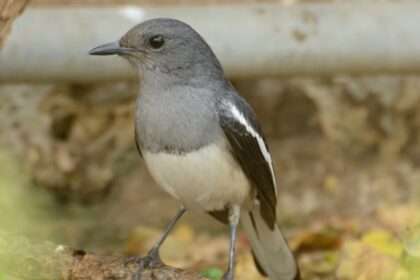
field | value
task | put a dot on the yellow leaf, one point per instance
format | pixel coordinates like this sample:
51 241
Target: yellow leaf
384 242
361 261
412 241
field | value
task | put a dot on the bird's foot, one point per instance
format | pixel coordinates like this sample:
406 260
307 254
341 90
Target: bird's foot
228 275
152 260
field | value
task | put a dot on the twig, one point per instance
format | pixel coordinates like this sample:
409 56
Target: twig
9 10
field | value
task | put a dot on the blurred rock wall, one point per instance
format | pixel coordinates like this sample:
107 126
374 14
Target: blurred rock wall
340 145
76 139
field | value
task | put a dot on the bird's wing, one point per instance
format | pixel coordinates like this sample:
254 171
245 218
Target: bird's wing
249 148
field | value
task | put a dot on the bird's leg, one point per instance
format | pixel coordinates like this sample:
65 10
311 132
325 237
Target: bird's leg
152 259
154 252
234 213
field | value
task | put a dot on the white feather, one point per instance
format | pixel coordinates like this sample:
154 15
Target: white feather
240 118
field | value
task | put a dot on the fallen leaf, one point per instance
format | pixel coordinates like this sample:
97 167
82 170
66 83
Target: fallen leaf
384 242
411 241
361 261
324 239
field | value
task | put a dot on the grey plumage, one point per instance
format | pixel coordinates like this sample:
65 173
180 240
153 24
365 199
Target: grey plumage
187 119
201 141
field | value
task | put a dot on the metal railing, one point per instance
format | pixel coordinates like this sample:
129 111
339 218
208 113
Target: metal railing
51 44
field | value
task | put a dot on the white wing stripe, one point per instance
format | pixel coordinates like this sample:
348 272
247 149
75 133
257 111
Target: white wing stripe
240 118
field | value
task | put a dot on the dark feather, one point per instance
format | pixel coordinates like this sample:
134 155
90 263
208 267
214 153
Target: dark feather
220 215
246 150
137 143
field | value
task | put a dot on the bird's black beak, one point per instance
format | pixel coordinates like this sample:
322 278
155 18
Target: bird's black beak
109 49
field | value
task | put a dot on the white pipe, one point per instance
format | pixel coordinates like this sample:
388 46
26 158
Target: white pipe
51 44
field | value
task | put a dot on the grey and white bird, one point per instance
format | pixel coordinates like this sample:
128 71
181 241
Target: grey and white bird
202 142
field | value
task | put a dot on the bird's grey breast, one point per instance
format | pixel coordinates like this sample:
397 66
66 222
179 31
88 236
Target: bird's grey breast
176 120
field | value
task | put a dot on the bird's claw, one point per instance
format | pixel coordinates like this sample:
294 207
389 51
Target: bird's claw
152 260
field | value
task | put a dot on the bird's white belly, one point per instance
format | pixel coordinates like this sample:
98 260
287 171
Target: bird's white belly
208 178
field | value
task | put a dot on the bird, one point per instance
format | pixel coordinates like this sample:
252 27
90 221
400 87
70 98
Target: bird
201 141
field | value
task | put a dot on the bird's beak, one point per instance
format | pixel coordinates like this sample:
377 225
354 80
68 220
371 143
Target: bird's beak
109 49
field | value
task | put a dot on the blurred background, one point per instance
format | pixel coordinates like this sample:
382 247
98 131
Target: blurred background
335 85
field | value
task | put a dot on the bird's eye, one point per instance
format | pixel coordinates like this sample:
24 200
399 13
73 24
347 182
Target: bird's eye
156 42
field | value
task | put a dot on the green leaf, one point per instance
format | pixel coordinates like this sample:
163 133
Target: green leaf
212 273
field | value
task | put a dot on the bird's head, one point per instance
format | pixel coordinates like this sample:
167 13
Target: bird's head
164 46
